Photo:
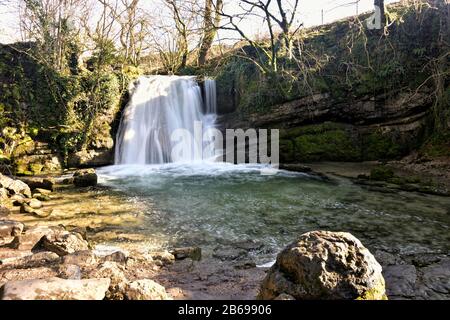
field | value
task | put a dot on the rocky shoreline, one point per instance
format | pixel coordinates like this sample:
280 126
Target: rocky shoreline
62 260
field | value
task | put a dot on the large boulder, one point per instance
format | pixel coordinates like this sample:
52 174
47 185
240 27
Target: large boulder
14 186
85 178
325 265
55 289
63 242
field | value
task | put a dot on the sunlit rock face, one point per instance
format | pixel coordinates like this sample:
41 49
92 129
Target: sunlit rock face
159 106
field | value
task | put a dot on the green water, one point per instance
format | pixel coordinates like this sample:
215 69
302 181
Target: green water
211 205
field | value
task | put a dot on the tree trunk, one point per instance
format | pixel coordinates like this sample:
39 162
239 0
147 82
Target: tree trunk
210 29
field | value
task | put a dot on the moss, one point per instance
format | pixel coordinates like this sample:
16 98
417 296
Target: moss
327 141
378 292
381 173
287 153
381 146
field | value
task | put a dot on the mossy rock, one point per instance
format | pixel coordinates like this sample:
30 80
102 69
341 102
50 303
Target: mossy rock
327 141
381 173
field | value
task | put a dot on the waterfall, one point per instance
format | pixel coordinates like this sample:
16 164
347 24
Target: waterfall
210 96
160 105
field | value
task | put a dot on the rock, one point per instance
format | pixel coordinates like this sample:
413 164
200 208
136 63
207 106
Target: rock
17 200
69 271
400 280
35 204
14 186
63 242
437 277
386 258
91 158
324 265
80 258
31 237
25 208
39 183
3 194
56 289
10 228
41 197
4 211
42 213
43 191
32 260
115 273
195 253
229 253
164 257
118 256
296 167
145 289
284 296
85 178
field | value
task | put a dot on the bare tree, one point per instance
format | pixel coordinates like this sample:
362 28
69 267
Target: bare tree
279 21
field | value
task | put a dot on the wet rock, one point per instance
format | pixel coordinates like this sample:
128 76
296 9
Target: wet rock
296 167
324 265
15 186
31 237
195 253
245 265
80 258
56 289
162 257
229 253
85 178
386 258
10 228
63 242
400 280
145 289
437 277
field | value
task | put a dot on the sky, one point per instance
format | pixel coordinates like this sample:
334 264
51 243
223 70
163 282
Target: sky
310 14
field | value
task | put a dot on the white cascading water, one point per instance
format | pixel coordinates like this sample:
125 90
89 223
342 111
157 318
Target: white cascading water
160 105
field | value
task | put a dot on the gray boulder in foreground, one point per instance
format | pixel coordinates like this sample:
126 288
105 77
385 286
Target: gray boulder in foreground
55 289
324 265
